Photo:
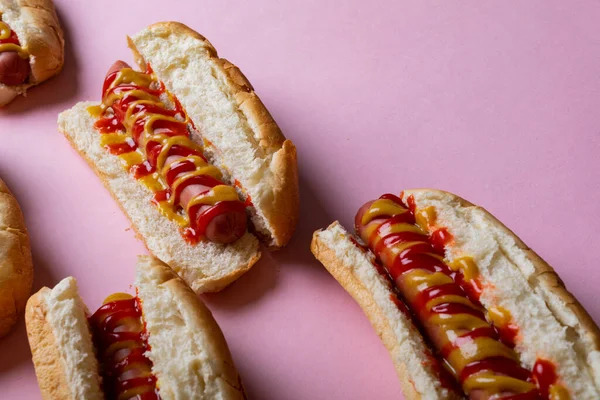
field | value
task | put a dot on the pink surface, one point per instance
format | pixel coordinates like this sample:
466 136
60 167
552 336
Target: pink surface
497 103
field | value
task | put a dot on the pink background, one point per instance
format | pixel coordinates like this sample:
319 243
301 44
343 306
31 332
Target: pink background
497 103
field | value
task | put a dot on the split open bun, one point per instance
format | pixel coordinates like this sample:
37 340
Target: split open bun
240 137
16 266
552 324
40 34
189 353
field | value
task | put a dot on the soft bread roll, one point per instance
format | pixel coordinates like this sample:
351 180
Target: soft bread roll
552 324
353 268
61 344
189 354
206 266
39 32
240 135
16 266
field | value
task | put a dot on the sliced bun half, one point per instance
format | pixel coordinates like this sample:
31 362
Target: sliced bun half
238 132
353 268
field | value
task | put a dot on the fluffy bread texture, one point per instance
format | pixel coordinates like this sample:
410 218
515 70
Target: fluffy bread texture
190 355
39 32
61 344
552 324
207 266
239 133
16 266
353 268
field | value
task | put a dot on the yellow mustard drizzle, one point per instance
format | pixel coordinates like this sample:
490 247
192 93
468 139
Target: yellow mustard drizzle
5 34
449 325
157 180
425 217
559 392
466 265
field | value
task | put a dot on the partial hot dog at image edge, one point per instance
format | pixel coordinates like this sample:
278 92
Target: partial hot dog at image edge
31 46
468 335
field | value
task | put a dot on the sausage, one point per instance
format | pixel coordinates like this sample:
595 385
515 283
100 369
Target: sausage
14 70
456 324
225 227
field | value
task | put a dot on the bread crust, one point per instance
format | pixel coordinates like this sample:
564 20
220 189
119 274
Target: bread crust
47 360
283 211
198 319
16 265
36 23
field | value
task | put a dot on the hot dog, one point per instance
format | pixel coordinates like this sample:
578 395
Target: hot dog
162 343
31 46
192 156
476 298
16 266
173 165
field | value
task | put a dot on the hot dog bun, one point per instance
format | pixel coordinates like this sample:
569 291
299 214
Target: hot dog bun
189 353
552 324
239 136
239 132
353 268
16 266
39 32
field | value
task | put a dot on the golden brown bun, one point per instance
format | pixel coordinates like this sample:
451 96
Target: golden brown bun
38 29
16 266
275 193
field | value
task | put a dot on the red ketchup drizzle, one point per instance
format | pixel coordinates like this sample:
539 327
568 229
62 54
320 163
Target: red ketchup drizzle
198 220
439 239
544 375
104 322
417 257
12 39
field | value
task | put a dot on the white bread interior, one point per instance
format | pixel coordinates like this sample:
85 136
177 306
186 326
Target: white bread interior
190 356
39 32
61 344
207 266
16 265
239 134
552 324
352 267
